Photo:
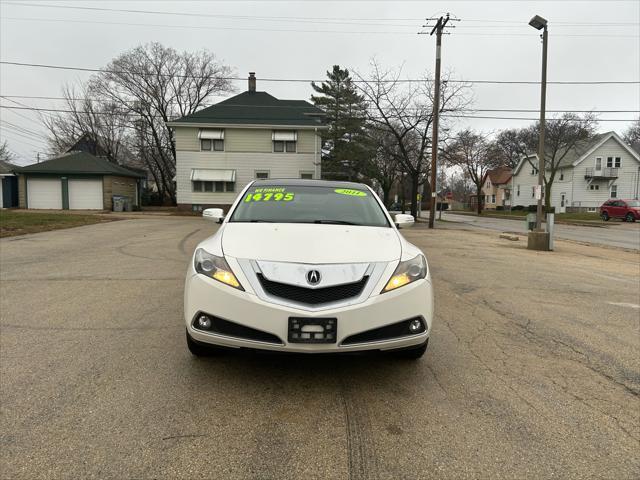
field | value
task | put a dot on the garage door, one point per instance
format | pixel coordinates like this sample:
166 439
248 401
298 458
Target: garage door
85 194
44 193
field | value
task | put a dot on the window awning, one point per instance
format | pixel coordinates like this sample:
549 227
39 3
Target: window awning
210 134
285 135
206 175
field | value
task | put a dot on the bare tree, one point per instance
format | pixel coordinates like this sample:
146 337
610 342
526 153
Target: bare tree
382 166
471 151
631 135
509 146
562 134
154 84
5 154
405 110
103 122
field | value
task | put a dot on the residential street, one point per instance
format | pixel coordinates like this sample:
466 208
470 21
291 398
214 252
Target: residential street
615 234
532 370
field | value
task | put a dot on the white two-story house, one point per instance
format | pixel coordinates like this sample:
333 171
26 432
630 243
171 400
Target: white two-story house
592 172
253 135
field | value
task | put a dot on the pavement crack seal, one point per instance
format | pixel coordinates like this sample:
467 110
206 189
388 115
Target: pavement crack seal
181 245
363 460
195 435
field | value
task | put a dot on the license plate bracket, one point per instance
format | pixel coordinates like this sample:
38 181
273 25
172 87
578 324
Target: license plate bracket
312 330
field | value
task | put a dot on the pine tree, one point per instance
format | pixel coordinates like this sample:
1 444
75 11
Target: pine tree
345 145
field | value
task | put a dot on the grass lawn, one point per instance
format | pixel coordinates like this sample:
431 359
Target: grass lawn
589 217
19 223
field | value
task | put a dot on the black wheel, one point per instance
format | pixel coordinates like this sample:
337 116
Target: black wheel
413 353
630 217
605 216
201 350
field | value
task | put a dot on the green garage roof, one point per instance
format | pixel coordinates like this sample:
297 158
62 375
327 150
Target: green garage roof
257 108
79 163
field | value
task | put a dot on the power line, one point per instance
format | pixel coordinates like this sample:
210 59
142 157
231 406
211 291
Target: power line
301 80
59 110
513 110
291 30
336 20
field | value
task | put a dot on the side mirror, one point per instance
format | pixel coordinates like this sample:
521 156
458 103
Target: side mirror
215 214
404 221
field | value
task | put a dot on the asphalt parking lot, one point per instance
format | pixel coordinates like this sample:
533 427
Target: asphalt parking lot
533 370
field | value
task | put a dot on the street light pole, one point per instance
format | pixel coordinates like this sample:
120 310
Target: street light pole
540 23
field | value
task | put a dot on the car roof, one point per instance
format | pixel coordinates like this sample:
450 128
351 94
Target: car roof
298 182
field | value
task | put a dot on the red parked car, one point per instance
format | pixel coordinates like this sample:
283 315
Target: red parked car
627 210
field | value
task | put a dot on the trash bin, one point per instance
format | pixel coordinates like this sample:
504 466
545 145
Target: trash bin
531 221
118 203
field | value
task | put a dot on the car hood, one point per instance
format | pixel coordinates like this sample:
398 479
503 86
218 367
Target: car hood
310 243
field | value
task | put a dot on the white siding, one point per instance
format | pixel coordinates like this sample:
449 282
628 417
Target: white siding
279 165
526 182
627 180
577 187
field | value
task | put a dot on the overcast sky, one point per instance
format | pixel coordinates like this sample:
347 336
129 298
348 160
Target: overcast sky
588 41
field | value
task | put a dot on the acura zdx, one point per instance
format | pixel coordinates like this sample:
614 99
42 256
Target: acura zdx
308 266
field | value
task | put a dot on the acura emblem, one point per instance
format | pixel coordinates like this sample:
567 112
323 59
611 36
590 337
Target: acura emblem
313 277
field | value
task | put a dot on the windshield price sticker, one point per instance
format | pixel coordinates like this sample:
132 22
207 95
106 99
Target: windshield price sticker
269 195
353 193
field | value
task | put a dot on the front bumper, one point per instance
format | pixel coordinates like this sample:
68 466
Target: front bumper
211 297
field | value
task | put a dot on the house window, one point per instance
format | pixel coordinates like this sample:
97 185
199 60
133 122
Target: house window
306 175
614 191
591 209
493 198
284 146
284 141
533 192
518 191
561 175
208 145
209 187
262 174
613 162
594 187
598 163
534 171
489 183
609 162
617 162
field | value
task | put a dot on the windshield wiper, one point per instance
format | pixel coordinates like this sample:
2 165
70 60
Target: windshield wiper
335 222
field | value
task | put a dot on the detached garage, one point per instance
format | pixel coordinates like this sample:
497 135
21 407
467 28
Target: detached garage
76 181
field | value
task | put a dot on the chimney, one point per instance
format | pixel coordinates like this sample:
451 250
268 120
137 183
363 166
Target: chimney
252 81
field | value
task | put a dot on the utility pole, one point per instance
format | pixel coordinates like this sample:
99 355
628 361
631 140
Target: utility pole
441 23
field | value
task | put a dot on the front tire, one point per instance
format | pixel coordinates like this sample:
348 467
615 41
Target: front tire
605 216
200 350
630 217
413 353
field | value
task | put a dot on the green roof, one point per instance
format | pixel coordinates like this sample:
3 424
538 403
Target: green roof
257 108
78 163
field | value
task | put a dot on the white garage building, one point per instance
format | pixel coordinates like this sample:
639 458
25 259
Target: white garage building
76 181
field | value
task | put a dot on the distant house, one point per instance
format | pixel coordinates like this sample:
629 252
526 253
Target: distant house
497 188
253 135
76 181
90 144
8 185
592 172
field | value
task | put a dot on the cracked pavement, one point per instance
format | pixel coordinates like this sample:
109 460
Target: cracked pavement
533 369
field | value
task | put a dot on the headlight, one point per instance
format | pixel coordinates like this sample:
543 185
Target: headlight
215 267
407 272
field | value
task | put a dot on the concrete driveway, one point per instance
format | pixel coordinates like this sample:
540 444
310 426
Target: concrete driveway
614 234
533 369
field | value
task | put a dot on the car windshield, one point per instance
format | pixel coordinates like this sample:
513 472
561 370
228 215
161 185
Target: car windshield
633 203
309 204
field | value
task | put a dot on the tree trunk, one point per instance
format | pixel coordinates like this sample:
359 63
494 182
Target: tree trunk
479 197
547 197
414 195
